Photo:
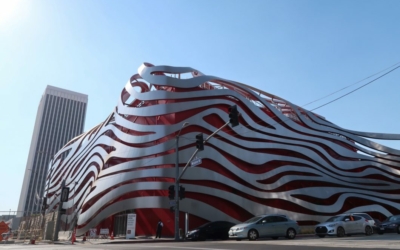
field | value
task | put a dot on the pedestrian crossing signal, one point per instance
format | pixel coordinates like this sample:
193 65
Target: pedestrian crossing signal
181 192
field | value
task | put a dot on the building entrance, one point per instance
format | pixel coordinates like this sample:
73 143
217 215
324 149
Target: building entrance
120 223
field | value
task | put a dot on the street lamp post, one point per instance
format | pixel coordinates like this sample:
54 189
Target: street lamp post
177 183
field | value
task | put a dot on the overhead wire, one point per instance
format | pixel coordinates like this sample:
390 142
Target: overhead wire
287 118
350 85
356 89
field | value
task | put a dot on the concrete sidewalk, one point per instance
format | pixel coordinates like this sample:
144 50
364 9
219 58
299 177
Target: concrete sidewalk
121 240
143 239
129 241
116 240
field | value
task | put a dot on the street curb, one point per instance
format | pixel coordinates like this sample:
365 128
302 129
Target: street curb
172 240
138 241
305 235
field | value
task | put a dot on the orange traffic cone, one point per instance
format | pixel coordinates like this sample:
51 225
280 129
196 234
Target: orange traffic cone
73 238
112 235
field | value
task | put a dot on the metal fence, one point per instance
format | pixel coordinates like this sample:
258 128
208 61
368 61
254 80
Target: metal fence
32 226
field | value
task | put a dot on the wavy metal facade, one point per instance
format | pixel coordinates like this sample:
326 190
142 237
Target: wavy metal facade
280 159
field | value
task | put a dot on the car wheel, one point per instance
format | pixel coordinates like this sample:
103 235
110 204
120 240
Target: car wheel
321 236
290 233
398 229
253 234
340 232
368 231
274 238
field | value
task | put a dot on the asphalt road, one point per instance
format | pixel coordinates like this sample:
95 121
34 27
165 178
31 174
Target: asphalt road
147 247
378 242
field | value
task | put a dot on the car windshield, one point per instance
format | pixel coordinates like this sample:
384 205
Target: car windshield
254 219
335 218
393 218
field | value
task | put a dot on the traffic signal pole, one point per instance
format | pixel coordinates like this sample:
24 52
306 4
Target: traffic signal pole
177 189
233 120
177 183
197 150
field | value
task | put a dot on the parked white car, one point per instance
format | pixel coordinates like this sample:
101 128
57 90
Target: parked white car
344 224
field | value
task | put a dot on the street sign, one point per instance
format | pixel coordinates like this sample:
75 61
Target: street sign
195 162
172 203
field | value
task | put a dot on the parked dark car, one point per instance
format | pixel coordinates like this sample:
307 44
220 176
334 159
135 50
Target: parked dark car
212 230
391 224
378 228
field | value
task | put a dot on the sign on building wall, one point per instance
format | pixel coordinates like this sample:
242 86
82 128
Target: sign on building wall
130 226
104 231
93 232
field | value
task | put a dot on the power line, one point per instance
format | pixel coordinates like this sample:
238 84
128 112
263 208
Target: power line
351 85
356 88
287 118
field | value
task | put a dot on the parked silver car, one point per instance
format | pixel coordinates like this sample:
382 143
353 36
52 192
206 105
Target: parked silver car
368 217
344 224
273 225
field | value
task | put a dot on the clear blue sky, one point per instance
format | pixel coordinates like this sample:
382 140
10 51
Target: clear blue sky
298 50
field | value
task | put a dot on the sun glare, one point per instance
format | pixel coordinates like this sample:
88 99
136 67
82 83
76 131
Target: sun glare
8 10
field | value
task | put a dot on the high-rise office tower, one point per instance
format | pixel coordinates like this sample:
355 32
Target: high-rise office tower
60 117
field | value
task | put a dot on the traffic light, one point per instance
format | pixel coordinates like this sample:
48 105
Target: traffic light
63 211
44 205
64 194
181 192
171 192
199 141
233 116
